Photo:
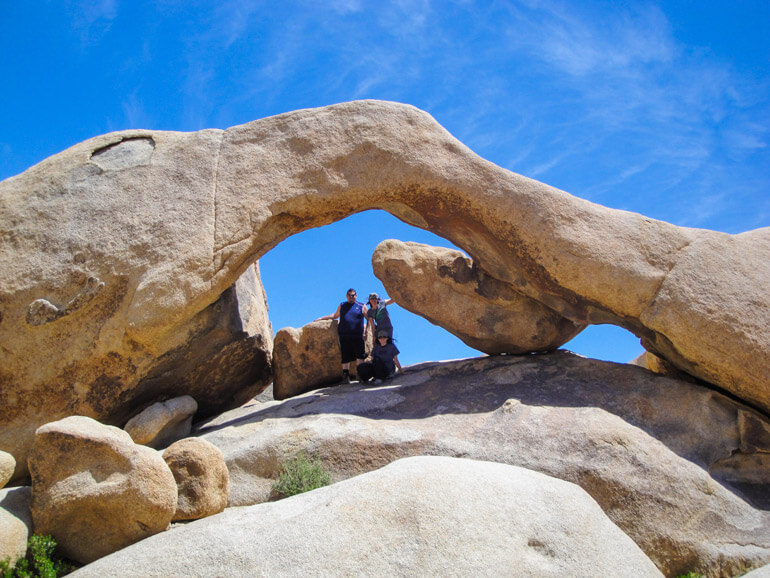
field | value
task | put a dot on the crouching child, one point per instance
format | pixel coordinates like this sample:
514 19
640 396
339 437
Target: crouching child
384 360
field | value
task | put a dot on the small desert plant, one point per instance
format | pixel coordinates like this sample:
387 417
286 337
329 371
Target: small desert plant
41 561
300 474
690 575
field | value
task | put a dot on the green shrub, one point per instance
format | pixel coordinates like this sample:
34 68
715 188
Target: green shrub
41 561
690 575
300 474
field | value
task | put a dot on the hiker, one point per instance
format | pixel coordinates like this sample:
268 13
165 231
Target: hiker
378 316
351 331
384 360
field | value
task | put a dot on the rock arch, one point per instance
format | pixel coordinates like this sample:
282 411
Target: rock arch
169 221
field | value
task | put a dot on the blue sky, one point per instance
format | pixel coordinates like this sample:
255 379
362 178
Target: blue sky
661 108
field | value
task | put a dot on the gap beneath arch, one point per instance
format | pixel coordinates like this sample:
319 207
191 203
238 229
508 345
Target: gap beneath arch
307 275
606 342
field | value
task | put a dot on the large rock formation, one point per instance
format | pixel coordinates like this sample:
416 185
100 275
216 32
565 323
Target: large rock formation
449 290
308 358
222 357
649 449
114 253
96 491
426 516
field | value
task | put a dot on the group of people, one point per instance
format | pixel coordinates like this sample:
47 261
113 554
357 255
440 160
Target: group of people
356 321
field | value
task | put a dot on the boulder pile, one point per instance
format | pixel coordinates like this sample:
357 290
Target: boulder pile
113 290
429 515
129 280
682 469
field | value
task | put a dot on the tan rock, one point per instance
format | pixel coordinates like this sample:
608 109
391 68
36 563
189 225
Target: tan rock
221 357
163 423
307 358
15 523
659 365
649 449
96 491
7 467
763 572
203 483
131 276
450 291
426 516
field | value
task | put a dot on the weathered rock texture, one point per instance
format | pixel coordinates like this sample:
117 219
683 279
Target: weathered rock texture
15 523
763 572
7 467
113 253
641 444
96 491
307 358
163 423
221 357
427 516
203 483
450 291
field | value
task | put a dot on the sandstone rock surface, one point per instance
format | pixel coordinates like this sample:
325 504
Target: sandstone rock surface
450 291
203 483
75 365
307 358
163 423
641 444
114 284
96 491
15 523
763 572
7 467
429 516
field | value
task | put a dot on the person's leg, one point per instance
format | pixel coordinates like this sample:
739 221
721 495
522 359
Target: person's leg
348 352
360 352
365 371
380 369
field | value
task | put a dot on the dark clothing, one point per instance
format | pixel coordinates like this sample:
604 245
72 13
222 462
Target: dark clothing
381 319
351 331
382 365
351 319
386 354
370 369
352 347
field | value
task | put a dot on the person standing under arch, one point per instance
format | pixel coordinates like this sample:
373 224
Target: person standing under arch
378 317
351 331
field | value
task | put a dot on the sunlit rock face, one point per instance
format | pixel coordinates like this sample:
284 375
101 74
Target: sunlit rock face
115 252
446 288
96 491
308 357
682 469
425 516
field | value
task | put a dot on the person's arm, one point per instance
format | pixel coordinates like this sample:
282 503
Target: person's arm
331 315
389 302
398 364
367 321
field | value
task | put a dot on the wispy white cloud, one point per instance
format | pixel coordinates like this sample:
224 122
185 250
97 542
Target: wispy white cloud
91 20
634 87
135 113
345 6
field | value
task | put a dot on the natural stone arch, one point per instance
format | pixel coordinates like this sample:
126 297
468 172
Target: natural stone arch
122 240
587 262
